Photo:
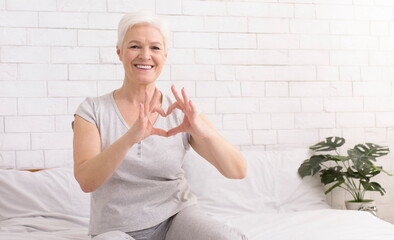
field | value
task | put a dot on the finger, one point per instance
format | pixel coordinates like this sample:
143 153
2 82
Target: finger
184 95
159 132
160 111
187 107
154 100
146 104
142 112
175 131
172 107
193 107
176 95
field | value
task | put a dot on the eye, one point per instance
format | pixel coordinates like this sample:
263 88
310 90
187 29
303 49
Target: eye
155 48
134 46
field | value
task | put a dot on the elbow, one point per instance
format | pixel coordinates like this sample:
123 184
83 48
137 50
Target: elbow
86 189
236 175
242 169
240 172
85 186
243 174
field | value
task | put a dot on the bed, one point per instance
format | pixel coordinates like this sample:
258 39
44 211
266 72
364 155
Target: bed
41 205
272 202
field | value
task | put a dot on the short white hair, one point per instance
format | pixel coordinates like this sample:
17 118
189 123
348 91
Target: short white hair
131 19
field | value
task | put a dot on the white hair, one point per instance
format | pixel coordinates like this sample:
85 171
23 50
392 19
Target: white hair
131 19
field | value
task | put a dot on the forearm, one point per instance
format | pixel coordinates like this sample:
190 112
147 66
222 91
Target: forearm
93 172
225 157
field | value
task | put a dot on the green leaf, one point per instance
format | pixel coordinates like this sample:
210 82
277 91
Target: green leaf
334 186
372 150
332 174
372 173
352 174
311 166
373 186
359 159
381 169
337 158
331 143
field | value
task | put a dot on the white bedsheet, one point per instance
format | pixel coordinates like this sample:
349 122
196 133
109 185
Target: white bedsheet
44 227
271 203
324 224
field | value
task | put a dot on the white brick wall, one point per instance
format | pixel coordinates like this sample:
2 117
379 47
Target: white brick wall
269 74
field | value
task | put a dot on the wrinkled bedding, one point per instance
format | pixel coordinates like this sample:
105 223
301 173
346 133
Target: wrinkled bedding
272 202
45 226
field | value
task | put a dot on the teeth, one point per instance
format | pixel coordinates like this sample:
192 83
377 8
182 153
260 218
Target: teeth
143 66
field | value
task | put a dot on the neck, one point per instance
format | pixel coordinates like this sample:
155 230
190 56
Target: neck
134 93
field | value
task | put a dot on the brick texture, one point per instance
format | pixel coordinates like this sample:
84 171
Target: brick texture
269 74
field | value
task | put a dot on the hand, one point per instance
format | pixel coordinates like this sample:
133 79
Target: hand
143 127
192 122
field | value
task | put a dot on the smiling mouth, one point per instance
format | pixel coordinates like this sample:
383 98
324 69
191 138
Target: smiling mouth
145 67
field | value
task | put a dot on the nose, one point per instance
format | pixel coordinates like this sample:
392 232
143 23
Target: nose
145 54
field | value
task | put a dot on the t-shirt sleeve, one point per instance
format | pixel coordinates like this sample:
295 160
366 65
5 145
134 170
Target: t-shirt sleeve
86 111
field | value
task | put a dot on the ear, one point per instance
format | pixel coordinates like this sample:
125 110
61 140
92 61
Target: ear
118 51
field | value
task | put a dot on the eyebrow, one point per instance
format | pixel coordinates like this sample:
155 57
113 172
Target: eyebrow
135 41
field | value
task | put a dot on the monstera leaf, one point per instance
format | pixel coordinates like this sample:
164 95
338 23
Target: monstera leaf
311 166
331 143
359 159
332 175
380 169
364 173
337 158
373 186
352 174
372 150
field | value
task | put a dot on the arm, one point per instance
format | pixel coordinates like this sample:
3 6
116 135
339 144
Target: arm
206 141
225 157
93 167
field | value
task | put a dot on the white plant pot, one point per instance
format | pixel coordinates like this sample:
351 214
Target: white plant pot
366 205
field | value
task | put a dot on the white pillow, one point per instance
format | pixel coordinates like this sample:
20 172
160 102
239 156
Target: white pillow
271 185
294 193
47 191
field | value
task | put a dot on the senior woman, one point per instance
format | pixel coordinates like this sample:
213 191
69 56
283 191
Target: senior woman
130 158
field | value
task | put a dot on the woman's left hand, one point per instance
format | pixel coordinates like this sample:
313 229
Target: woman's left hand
192 123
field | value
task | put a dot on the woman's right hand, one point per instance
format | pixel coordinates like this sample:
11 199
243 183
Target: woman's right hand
143 127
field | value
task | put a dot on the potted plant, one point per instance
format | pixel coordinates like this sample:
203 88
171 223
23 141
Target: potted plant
351 172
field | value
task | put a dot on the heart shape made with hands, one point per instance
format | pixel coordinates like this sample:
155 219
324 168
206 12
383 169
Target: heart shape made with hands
182 103
164 114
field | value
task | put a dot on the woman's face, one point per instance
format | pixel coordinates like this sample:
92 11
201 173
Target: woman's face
143 53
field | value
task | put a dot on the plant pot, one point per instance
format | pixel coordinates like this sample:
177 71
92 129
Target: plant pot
366 205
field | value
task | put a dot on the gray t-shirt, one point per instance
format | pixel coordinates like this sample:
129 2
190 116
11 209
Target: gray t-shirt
149 186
